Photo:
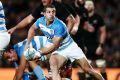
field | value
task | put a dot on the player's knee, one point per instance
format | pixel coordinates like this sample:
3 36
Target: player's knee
53 61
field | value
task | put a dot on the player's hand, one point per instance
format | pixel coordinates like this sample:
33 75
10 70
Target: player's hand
99 50
10 31
32 54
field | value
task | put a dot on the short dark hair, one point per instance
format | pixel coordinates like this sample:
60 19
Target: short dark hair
49 6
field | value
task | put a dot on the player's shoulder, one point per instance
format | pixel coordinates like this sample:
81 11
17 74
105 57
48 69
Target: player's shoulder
40 20
59 22
60 25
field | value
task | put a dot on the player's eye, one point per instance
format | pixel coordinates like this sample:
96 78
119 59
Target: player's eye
53 11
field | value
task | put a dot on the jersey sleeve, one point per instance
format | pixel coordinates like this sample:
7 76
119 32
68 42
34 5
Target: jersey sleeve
37 23
101 21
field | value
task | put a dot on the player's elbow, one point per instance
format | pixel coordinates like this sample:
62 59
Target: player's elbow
56 46
29 19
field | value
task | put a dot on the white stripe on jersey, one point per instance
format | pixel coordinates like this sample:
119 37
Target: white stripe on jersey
44 40
37 41
20 44
42 27
3 25
40 40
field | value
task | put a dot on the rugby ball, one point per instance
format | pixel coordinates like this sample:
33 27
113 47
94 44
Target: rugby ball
29 54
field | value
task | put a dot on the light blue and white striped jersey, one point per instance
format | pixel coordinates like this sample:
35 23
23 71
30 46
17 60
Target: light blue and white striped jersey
57 28
2 18
37 42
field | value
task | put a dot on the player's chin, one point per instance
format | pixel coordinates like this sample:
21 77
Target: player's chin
51 19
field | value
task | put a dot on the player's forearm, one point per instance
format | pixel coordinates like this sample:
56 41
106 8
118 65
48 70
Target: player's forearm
48 50
102 37
77 20
25 22
53 46
14 78
21 68
19 74
70 23
31 33
76 25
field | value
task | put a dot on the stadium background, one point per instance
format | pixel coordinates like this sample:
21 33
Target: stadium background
8 73
16 10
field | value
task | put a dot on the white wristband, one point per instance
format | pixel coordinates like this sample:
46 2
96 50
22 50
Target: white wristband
38 53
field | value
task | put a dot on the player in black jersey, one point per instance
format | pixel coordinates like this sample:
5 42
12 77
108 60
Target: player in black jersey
94 41
81 24
81 21
83 27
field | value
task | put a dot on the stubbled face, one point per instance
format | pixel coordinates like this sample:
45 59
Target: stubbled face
46 2
50 14
89 6
10 56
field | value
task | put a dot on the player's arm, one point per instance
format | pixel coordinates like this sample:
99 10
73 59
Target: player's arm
16 67
31 33
70 22
56 42
21 68
102 35
26 21
76 25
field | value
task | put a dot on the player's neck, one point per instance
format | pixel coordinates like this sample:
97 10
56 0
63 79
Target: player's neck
48 22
